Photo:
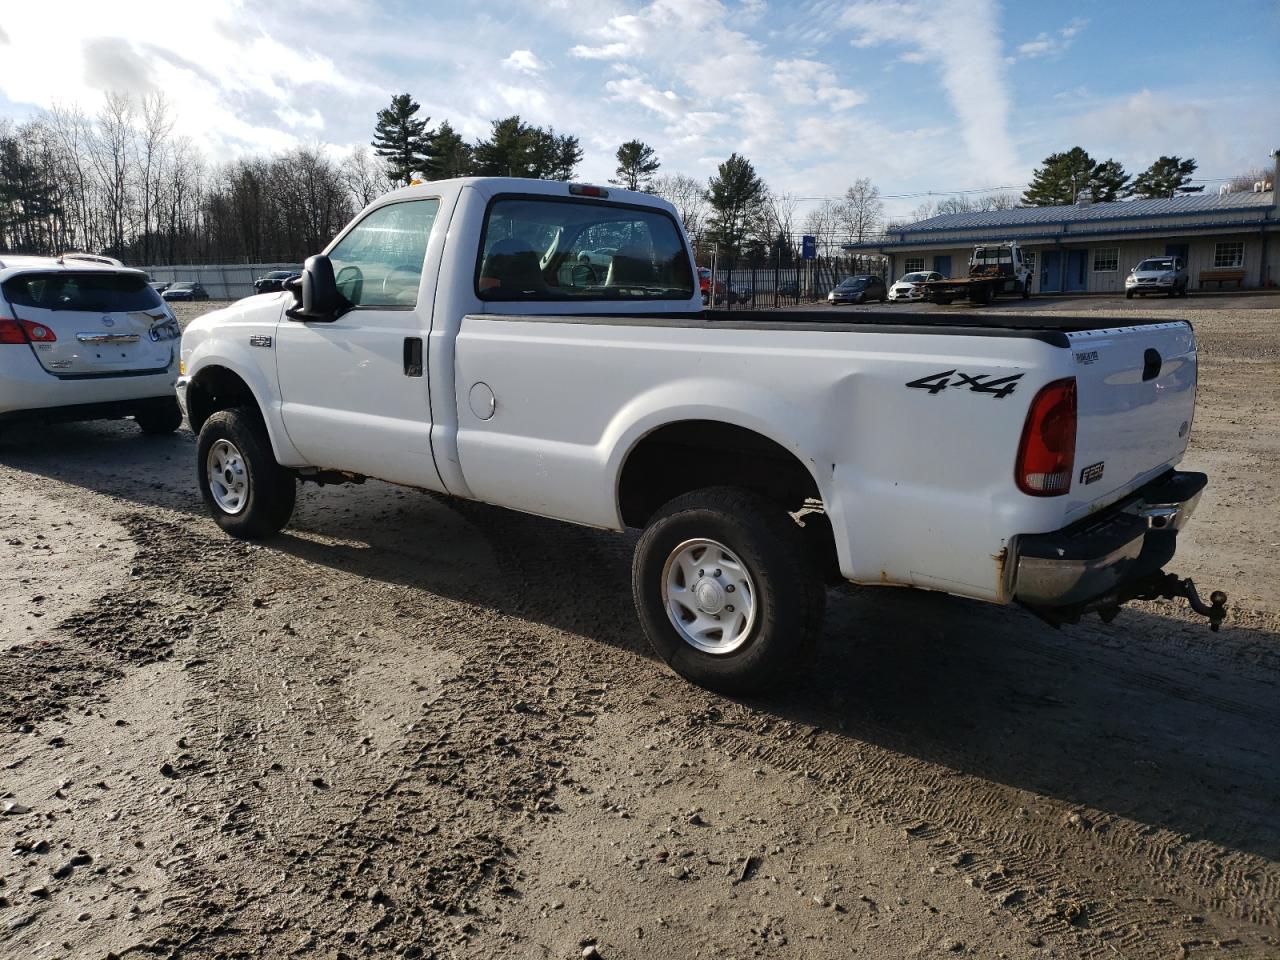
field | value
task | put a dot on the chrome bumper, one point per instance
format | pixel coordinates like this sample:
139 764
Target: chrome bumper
1130 540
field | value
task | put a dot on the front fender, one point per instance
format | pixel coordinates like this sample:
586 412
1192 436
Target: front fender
223 340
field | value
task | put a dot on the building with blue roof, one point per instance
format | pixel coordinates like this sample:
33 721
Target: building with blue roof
1090 247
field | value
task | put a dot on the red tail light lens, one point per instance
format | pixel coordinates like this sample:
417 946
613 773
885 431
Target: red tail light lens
1047 453
11 332
25 331
38 332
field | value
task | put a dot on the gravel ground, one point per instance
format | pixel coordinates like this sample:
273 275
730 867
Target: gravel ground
415 728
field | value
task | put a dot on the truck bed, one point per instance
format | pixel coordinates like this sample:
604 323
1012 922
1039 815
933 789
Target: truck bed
1048 329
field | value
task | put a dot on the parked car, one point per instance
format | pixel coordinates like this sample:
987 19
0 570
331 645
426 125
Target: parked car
725 292
273 281
911 286
82 340
619 406
858 289
1167 275
185 290
159 286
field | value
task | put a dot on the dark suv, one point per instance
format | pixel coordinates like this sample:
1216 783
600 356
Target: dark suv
273 281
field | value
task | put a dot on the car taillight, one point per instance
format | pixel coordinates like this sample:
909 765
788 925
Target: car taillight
11 332
1047 453
38 332
25 331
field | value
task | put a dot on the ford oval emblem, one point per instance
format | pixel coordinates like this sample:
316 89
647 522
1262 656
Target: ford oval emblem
108 322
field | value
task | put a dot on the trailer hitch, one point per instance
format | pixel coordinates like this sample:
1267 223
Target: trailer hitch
1168 586
1156 586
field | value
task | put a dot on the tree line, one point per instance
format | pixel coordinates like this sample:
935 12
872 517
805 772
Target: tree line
121 182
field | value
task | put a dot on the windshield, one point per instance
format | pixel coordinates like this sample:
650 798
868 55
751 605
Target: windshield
1161 263
181 286
97 292
550 249
915 278
853 283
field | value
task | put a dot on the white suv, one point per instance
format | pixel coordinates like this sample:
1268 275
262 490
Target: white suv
85 339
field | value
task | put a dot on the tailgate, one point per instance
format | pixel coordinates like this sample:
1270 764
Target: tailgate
103 323
1136 396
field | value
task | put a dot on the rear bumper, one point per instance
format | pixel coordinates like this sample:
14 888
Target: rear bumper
28 391
1099 555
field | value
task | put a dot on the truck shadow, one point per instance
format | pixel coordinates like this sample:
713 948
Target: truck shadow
1151 719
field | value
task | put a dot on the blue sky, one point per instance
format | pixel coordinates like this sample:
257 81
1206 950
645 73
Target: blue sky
936 95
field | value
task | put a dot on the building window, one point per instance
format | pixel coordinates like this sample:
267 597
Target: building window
1228 253
1029 261
914 264
1106 259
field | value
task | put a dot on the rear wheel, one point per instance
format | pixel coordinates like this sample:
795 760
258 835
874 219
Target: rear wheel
249 495
164 416
726 590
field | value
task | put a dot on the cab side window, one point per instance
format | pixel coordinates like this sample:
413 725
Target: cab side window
379 262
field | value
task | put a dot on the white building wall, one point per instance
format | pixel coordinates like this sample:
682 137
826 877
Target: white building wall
1200 256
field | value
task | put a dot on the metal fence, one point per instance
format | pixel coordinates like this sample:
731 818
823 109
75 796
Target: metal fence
223 281
748 284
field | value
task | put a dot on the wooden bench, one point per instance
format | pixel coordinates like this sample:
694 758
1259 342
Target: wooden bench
1221 275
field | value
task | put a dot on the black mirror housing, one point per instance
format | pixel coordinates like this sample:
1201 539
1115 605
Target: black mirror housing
315 293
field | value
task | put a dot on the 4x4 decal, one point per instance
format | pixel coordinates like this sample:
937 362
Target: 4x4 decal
999 387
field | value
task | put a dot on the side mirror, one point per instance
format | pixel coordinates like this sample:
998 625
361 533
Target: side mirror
315 293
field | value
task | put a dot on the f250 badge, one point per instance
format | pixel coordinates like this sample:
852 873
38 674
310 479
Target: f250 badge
999 387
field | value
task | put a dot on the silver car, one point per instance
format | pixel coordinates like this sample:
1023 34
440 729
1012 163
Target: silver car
1167 275
911 286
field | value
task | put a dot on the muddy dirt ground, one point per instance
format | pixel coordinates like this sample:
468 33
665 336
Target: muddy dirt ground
415 728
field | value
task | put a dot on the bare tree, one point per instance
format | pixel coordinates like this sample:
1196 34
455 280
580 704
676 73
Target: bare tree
689 197
860 212
365 177
823 224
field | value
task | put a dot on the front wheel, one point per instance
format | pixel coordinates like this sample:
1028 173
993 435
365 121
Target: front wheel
249 495
726 591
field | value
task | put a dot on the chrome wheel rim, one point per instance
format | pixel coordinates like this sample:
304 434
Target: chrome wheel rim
228 477
709 596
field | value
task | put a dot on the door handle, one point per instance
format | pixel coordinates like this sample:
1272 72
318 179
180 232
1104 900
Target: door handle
413 356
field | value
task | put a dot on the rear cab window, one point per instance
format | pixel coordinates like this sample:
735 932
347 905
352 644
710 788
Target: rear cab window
552 249
97 292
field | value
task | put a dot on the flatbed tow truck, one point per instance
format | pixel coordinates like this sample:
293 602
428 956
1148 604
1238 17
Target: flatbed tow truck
994 269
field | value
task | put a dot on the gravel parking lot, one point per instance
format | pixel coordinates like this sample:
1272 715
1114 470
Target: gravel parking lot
415 728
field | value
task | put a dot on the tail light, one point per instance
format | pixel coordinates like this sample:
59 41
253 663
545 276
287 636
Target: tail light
1047 453
25 331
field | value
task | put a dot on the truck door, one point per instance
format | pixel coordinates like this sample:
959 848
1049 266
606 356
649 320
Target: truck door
354 391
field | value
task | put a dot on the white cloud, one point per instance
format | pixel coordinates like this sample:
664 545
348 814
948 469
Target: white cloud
1050 44
524 61
966 55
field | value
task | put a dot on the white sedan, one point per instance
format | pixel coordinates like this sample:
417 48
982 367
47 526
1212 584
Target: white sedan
84 338
911 286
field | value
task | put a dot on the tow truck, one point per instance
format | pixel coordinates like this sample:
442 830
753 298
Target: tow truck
994 268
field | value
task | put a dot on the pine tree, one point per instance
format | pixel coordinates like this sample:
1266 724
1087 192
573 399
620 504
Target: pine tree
637 163
448 155
516 149
1109 181
1164 177
401 139
736 195
1064 176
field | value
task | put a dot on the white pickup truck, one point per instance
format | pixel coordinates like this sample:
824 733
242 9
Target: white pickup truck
452 339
